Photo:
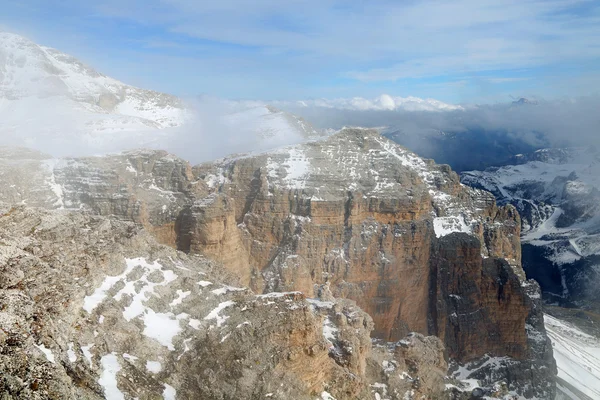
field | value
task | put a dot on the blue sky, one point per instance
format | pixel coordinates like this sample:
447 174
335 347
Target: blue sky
461 51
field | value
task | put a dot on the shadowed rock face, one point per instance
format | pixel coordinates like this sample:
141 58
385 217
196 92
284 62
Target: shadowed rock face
373 221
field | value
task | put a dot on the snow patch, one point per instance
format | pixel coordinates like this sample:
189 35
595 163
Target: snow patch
108 379
47 352
214 314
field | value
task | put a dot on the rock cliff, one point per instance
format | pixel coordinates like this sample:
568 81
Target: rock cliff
94 308
374 223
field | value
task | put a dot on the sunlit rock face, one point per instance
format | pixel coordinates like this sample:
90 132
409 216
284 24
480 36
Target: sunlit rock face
95 308
397 234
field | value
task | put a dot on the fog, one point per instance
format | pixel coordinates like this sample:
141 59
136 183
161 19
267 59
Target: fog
572 122
212 128
215 127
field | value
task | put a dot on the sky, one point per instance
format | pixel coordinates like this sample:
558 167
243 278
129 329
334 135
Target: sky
463 51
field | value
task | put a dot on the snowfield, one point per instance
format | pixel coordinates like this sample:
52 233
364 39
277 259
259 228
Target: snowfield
577 356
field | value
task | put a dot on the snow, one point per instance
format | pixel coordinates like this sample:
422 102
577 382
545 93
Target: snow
326 396
129 357
320 304
153 366
444 226
31 70
277 295
296 169
108 379
162 327
47 352
71 354
194 323
180 296
329 330
577 356
169 393
87 353
205 283
226 289
51 182
214 314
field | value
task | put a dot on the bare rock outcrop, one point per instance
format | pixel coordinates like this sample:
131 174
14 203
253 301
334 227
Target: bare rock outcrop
98 309
399 235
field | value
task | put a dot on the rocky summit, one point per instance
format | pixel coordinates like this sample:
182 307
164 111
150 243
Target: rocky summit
273 273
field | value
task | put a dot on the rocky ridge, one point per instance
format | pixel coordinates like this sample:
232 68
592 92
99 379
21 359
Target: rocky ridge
95 308
418 251
557 193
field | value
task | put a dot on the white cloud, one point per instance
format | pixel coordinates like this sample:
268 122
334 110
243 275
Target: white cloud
383 102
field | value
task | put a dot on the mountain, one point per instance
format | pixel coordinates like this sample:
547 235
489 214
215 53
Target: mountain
351 216
473 148
31 74
557 194
51 101
524 100
94 308
578 359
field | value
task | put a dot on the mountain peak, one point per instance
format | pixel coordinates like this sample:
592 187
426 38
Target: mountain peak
29 71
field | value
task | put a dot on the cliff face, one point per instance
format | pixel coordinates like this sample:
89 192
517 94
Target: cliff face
94 308
147 187
357 212
399 235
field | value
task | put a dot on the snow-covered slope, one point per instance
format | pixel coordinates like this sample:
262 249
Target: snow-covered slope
577 357
557 194
28 70
53 102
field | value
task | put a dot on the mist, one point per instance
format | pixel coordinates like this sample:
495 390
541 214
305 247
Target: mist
215 128
570 122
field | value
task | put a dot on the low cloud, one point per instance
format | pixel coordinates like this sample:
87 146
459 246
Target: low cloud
510 128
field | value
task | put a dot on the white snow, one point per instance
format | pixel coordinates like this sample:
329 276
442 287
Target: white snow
169 393
444 226
326 396
54 187
153 366
205 283
129 357
71 354
87 353
577 356
162 327
226 289
329 330
214 314
194 323
47 352
180 296
293 172
108 379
